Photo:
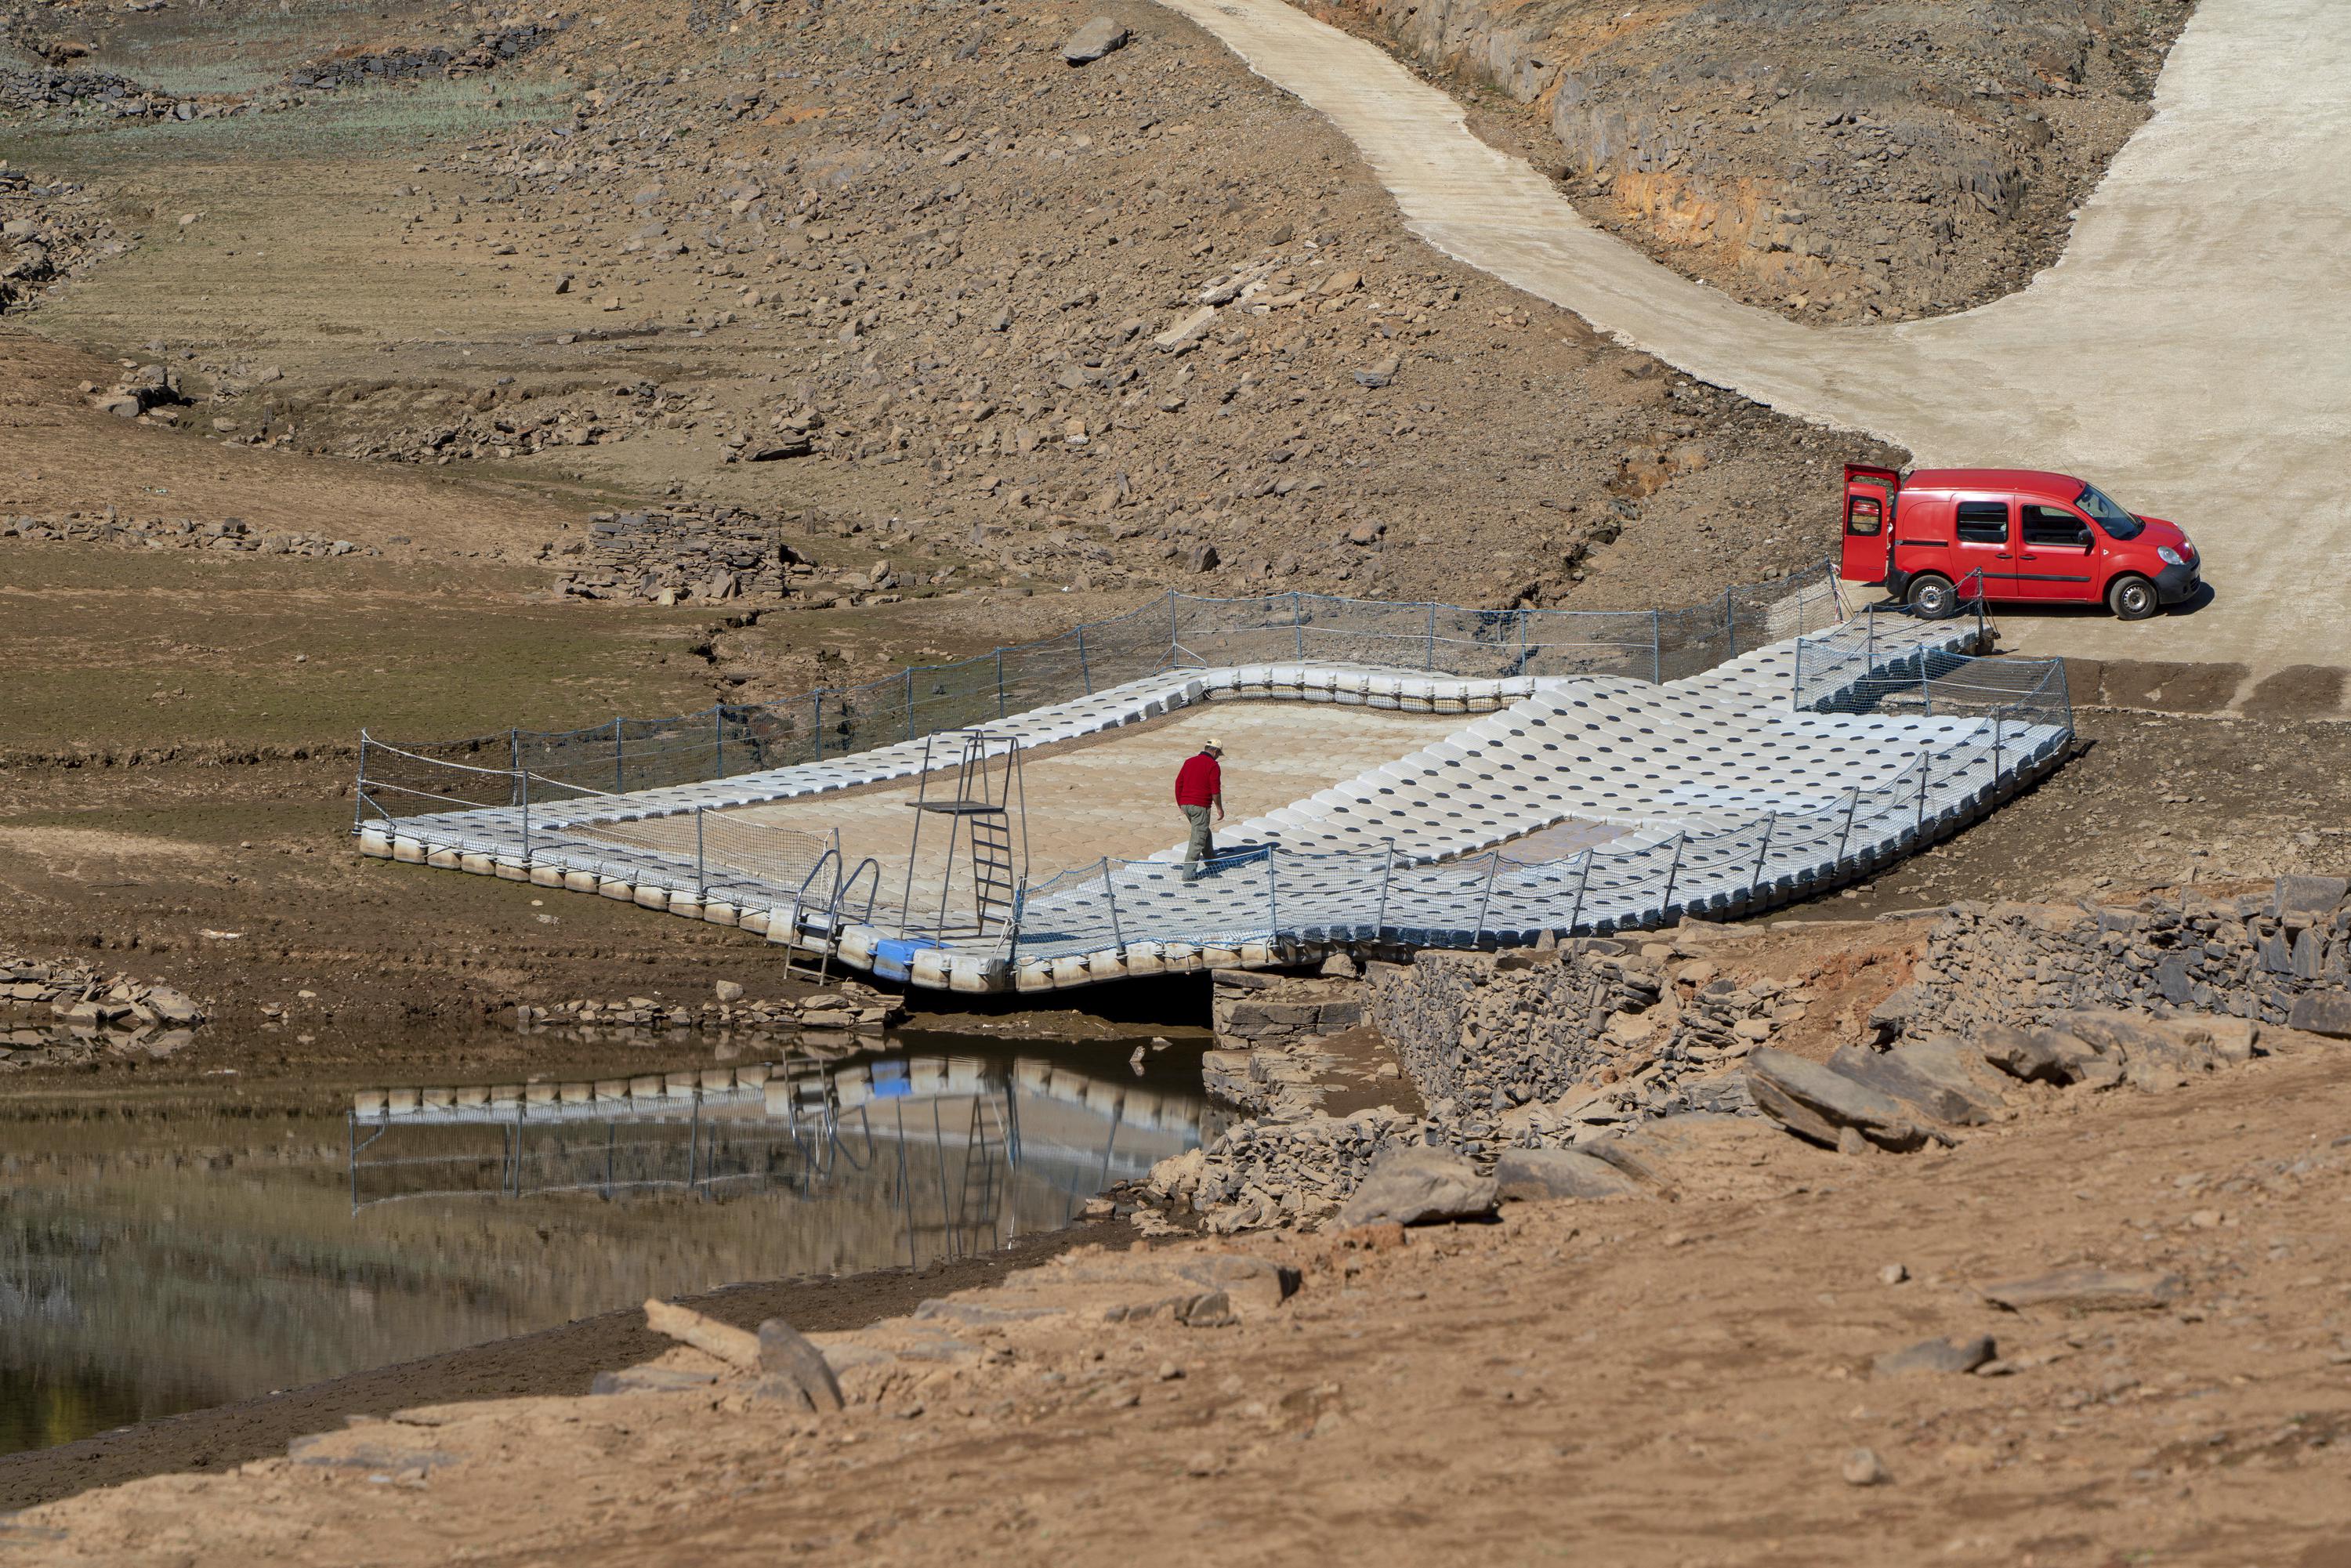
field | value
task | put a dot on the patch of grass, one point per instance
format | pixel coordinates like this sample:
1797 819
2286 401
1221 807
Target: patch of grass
372 119
122 650
191 81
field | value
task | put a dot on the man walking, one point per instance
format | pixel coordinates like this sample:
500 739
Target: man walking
1199 785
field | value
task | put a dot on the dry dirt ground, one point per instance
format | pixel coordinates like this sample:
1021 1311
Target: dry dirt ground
1637 1380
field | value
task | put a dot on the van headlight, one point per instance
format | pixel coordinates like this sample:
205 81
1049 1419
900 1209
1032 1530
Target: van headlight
2168 556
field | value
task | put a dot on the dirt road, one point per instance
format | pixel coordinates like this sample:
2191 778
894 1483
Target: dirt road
2182 354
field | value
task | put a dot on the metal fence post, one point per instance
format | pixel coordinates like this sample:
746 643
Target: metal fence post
522 787
1272 899
1657 650
816 721
1868 638
618 787
1995 747
1175 626
1117 937
701 876
1298 624
1755 878
910 702
1576 912
999 682
718 741
1493 865
1083 672
1730 624
1673 873
1432 637
358 790
1380 923
513 749
1851 807
1923 760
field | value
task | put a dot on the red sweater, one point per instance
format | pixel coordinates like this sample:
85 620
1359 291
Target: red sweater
1200 781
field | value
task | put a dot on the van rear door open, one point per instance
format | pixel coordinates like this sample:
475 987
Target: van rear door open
1869 497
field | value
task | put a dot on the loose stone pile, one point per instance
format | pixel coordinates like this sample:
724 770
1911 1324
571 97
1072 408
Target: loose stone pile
229 536
703 553
1519 1051
1261 1173
52 1012
490 47
2280 955
1525 1048
1527 1056
49 233
49 88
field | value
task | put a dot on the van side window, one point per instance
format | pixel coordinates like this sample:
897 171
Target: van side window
1983 522
1864 515
2055 526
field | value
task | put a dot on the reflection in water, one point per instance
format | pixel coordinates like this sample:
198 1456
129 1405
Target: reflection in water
171 1256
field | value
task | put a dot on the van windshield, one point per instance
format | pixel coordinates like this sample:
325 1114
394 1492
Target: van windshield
2117 523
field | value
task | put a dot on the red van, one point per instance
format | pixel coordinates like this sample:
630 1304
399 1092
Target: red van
2031 538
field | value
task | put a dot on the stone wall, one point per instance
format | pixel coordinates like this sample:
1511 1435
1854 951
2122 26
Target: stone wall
52 1012
2257 957
1270 1028
704 553
1524 1048
228 536
1252 1007
491 48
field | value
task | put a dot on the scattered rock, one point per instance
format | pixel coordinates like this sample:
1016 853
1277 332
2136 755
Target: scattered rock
1942 1355
1818 1102
2085 1288
1093 41
1863 1467
1416 1186
792 1370
1559 1174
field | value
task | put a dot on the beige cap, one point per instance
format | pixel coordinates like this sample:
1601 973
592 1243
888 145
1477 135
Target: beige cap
1210 745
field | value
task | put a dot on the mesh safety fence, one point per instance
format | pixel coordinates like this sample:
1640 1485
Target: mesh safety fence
623 754
1265 894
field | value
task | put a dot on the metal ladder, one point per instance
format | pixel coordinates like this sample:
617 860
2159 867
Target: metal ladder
993 875
985 796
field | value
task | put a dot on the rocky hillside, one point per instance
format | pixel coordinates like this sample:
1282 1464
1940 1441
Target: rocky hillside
1838 160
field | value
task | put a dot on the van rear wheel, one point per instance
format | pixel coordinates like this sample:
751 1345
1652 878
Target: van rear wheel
1934 598
2132 599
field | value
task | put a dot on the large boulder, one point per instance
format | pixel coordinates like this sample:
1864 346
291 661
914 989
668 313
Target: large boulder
1560 1173
2086 1288
2039 1055
1415 1187
1924 1083
1944 1356
1093 41
2151 1053
2321 1013
1820 1103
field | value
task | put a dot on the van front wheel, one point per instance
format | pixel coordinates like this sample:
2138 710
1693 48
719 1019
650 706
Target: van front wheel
1934 598
2132 599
